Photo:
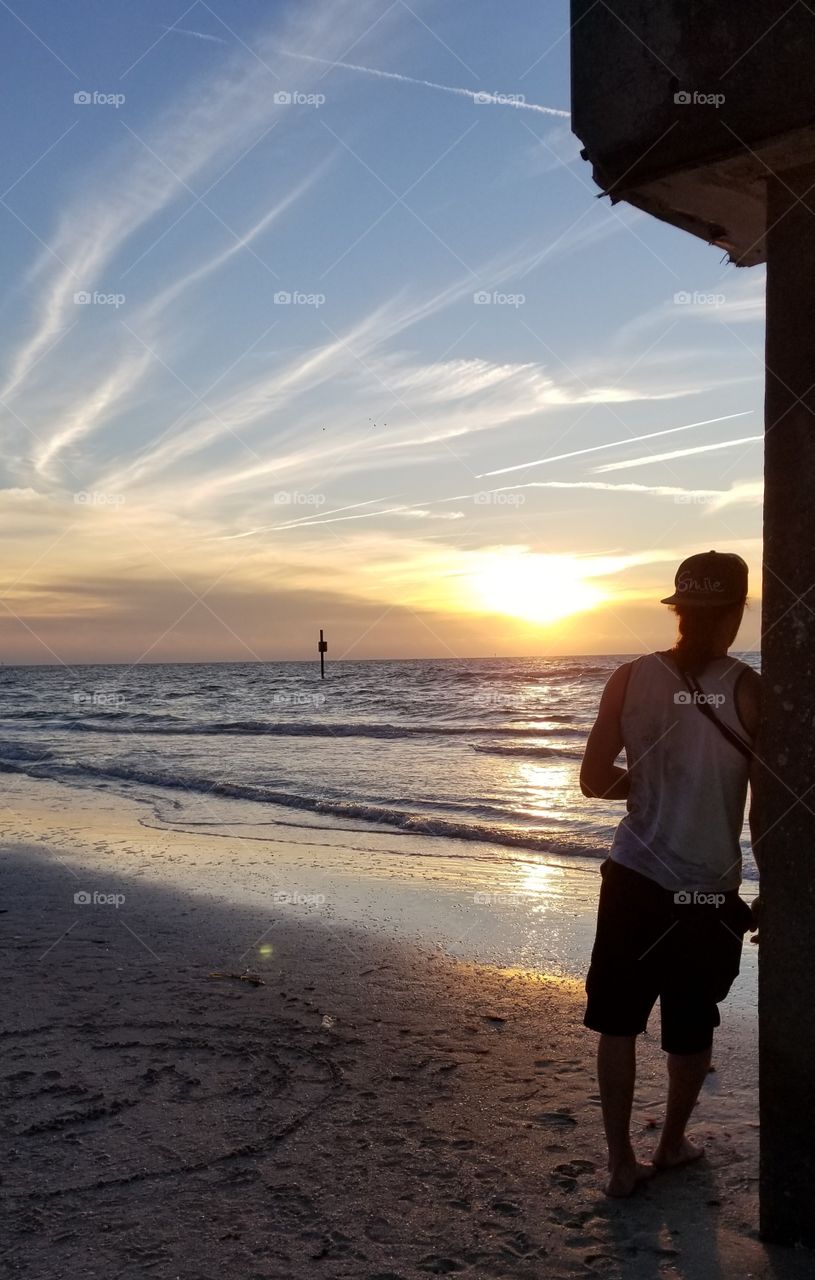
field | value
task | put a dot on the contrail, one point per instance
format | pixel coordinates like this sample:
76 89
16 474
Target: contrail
199 35
612 444
657 490
293 524
677 453
497 99
751 491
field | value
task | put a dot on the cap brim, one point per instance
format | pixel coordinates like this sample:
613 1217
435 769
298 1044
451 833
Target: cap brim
705 603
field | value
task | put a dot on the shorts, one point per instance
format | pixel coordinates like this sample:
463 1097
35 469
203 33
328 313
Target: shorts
650 946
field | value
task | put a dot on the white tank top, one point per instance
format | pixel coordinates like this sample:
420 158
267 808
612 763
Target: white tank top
688 784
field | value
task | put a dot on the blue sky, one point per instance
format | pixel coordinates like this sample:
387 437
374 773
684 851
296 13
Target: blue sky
272 324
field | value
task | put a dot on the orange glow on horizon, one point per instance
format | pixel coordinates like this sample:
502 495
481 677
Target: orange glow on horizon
534 587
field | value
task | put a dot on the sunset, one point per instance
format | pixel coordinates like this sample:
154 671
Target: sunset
406 639
221 381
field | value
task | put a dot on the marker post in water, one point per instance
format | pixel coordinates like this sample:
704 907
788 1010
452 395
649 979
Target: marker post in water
322 647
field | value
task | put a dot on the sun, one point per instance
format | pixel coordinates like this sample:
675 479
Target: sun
533 586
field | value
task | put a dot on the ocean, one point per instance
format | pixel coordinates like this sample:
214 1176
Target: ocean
484 750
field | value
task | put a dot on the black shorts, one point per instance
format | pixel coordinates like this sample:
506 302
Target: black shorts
650 945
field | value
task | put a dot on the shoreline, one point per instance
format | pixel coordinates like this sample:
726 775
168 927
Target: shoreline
478 902
163 1122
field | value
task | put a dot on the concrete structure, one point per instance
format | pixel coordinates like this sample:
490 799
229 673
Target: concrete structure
685 108
704 116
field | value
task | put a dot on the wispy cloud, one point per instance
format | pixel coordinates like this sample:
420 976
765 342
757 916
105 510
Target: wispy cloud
256 402
143 176
430 407
199 35
166 296
559 148
677 453
750 493
613 444
739 299
94 408
185 419
491 99
407 512
747 494
237 414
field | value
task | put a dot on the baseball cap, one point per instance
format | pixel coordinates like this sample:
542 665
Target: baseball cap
709 579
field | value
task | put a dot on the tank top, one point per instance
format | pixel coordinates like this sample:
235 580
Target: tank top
688 784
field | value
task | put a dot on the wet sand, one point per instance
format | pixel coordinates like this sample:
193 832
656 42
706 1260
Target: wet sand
377 1109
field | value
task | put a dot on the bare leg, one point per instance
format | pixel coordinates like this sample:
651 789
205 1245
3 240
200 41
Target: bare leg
616 1071
686 1075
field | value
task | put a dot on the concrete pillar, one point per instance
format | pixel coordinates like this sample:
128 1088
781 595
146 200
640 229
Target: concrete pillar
787 739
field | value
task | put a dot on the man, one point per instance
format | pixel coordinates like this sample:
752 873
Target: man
670 921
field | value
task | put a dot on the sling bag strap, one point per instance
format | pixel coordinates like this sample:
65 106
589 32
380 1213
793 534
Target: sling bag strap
733 738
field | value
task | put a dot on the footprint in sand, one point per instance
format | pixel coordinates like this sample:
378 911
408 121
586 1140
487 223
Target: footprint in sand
519 1245
554 1119
505 1206
567 1217
381 1231
574 1168
600 1260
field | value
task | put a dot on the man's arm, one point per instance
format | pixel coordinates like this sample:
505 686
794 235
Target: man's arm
748 705
600 777
754 816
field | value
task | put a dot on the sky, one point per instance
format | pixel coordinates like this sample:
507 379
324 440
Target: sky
313 318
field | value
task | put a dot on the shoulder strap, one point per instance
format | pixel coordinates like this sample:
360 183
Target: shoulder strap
732 737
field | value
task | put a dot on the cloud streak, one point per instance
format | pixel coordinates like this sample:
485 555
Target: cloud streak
677 453
255 404
142 177
162 300
748 494
612 444
491 99
199 35
94 408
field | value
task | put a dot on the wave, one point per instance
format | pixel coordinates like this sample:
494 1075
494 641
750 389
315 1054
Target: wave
51 719
404 820
526 675
18 751
527 753
122 722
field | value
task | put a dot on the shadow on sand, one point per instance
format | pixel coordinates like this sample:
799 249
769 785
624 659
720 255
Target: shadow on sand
370 1111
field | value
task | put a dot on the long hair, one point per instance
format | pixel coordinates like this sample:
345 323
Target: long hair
700 632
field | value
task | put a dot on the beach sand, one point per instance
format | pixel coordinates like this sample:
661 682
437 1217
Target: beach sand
378 1109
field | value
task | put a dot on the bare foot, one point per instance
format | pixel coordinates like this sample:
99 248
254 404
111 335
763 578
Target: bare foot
626 1178
673 1158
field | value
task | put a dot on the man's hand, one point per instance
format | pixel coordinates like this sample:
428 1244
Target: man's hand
755 911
